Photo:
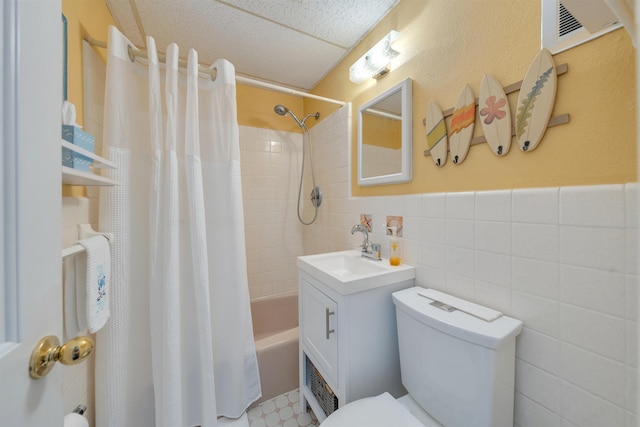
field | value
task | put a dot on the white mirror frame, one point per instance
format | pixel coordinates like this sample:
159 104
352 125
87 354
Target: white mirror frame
406 172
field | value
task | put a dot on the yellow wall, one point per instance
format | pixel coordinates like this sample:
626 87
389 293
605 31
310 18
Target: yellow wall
84 18
381 131
445 44
255 108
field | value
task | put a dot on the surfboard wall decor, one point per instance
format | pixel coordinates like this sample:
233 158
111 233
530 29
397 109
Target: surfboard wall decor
535 101
495 115
436 134
534 107
461 127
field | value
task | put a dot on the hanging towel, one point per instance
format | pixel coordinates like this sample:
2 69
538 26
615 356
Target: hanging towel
71 325
81 292
96 286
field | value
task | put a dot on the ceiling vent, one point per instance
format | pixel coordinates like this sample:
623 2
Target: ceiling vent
566 22
569 23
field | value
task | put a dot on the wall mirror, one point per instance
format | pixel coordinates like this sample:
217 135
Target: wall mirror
385 142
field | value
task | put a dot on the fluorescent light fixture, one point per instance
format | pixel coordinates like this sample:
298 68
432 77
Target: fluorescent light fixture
375 63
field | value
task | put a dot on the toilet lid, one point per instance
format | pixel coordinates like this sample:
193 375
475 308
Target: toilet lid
378 411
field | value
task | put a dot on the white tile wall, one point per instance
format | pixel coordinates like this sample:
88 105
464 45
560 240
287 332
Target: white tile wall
563 260
535 241
540 278
493 206
526 409
598 205
330 139
536 206
270 164
381 161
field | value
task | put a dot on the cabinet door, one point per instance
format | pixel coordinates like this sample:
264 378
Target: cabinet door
319 330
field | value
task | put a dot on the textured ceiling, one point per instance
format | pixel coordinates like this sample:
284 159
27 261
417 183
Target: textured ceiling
291 42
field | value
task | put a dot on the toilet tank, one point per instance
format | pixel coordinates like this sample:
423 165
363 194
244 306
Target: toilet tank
458 367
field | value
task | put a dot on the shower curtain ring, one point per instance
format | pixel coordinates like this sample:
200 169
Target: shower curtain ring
130 52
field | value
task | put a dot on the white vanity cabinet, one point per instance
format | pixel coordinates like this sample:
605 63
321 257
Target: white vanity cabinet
318 329
348 342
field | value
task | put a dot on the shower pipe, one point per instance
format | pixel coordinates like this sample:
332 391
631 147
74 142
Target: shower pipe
135 52
316 193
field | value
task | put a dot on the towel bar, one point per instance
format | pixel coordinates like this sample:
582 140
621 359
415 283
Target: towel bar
84 231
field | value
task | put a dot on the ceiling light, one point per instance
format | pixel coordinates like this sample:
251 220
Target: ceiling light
375 63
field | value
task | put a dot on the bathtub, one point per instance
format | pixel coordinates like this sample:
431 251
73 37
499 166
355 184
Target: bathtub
275 331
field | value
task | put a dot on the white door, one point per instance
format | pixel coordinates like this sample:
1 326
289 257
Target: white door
30 225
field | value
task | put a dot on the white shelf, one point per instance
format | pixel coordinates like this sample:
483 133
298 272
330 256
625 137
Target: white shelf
72 176
75 177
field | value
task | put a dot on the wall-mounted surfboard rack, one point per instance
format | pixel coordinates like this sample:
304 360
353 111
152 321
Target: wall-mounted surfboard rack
514 87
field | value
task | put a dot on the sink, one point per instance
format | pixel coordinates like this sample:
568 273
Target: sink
346 264
348 272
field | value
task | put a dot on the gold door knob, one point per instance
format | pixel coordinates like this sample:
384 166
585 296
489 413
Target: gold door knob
48 351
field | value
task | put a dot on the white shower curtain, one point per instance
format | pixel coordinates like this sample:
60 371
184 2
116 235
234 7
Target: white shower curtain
178 350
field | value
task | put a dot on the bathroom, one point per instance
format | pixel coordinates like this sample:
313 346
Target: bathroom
548 237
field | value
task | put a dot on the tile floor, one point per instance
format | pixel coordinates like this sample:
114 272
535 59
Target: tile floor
281 411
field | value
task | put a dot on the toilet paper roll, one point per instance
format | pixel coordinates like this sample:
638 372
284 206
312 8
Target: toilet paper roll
75 420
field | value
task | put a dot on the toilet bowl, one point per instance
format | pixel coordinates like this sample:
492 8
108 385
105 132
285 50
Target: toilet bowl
457 361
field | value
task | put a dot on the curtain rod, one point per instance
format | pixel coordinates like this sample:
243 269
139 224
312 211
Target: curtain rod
206 70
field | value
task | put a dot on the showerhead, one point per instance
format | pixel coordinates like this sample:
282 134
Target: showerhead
281 110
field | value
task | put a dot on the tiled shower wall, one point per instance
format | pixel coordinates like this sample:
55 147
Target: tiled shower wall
270 164
381 160
331 149
562 260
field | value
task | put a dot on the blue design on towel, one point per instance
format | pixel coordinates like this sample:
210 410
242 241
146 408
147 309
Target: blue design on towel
102 291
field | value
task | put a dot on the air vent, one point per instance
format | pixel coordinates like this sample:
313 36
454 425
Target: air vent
566 22
570 23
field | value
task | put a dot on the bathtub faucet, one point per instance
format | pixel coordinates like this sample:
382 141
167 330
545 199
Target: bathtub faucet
369 250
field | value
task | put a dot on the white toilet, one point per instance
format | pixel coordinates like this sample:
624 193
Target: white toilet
457 367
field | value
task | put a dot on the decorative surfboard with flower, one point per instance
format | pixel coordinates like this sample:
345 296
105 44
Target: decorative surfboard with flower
535 101
495 115
461 127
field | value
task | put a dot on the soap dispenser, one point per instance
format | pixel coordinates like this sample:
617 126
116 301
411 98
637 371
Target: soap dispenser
394 247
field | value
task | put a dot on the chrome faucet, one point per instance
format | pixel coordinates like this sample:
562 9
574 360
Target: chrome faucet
369 250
